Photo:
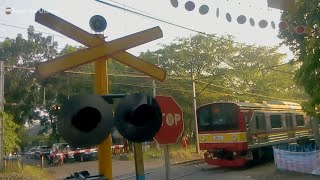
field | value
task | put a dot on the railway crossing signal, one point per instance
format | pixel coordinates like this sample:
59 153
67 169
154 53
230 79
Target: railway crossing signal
172 120
98 51
98 48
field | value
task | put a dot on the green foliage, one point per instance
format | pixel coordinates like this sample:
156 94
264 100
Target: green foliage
10 137
36 173
21 85
22 134
15 171
28 97
223 70
305 48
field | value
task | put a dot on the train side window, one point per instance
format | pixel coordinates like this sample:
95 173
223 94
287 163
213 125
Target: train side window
260 121
289 120
275 121
299 120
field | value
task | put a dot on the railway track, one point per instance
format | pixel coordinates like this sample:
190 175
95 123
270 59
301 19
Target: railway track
190 162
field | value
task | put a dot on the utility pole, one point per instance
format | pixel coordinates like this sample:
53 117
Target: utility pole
194 110
154 90
154 83
1 109
154 93
44 96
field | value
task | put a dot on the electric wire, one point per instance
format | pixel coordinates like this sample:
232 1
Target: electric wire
248 93
19 27
150 17
184 90
161 20
190 91
129 7
91 73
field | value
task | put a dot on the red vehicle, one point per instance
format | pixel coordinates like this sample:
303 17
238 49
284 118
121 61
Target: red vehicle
235 133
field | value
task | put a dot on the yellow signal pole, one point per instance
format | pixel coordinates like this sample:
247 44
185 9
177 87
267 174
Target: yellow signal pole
104 149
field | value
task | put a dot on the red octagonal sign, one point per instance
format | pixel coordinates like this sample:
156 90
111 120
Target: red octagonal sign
172 122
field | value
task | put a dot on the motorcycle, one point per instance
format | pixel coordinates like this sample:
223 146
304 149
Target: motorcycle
57 159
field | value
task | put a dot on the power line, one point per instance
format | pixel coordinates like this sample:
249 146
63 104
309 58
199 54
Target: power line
270 67
137 76
91 73
184 90
38 27
160 20
126 84
150 17
128 6
253 94
173 24
19 27
205 91
133 75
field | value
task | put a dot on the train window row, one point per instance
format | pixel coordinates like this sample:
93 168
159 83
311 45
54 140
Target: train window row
277 121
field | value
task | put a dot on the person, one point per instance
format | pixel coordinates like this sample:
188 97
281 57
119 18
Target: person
52 152
184 142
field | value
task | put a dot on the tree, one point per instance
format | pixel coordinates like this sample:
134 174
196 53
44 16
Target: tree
60 87
22 93
224 70
259 74
10 137
305 47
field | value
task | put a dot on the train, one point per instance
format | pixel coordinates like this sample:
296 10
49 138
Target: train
234 134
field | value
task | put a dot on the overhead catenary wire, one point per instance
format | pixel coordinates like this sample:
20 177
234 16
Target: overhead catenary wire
190 91
150 17
248 93
224 93
125 8
144 14
91 73
19 27
134 11
129 7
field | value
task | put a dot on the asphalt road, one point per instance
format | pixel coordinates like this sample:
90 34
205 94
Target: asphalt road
154 170
266 171
118 167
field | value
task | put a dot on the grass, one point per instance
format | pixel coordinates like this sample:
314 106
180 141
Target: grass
15 170
177 153
36 173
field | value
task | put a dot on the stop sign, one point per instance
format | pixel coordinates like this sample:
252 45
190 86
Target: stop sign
172 122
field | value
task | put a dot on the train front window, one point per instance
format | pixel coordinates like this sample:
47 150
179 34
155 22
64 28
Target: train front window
217 117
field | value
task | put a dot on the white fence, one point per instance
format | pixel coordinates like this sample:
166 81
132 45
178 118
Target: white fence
303 160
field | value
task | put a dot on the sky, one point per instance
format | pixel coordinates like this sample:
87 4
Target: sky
122 23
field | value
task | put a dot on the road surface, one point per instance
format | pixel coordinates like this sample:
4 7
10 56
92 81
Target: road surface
154 169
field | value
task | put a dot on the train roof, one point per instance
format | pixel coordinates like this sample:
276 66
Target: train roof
272 105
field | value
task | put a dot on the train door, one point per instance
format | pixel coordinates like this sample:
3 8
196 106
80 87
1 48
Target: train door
289 125
258 128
